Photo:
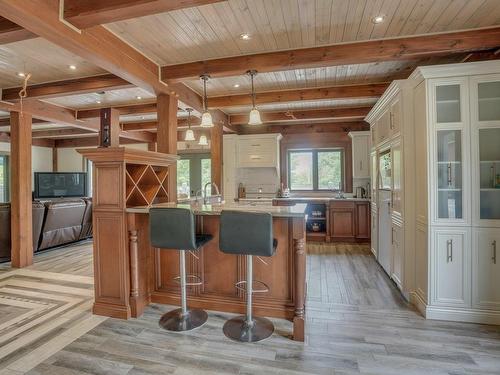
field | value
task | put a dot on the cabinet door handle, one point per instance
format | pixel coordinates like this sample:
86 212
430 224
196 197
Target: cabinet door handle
449 174
449 251
494 257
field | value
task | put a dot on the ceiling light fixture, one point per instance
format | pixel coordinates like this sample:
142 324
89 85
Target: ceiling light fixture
189 136
378 19
245 36
203 140
72 67
98 102
236 85
138 97
21 74
206 117
254 118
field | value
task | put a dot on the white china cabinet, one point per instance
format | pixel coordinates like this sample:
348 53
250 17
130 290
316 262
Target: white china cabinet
449 183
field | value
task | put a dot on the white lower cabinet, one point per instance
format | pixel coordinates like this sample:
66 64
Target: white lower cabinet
397 253
451 267
486 269
374 233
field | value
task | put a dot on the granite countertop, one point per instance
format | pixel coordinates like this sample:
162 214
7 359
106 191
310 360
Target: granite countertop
322 199
298 210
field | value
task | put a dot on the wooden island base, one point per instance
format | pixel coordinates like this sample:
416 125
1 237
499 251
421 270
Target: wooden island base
152 273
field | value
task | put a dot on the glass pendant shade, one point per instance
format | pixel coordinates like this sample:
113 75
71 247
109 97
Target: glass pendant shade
203 140
206 120
189 136
254 117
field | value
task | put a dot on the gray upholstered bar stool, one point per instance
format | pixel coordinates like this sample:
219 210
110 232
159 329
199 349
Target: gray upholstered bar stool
249 234
174 229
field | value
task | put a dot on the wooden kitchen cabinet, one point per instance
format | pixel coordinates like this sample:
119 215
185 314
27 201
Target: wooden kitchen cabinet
362 220
342 221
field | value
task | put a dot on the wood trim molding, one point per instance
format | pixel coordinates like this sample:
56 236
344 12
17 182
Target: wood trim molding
11 32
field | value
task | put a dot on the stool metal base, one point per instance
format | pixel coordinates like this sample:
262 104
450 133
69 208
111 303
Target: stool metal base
176 321
239 330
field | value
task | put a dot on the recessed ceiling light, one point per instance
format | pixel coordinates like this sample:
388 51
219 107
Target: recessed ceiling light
72 67
21 74
236 85
378 19
245 36
138 97
142 117
98 102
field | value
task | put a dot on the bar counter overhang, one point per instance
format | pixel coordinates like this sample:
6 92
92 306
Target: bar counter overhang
129 274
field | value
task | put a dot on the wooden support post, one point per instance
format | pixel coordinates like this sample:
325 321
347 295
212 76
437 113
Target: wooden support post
21 210
216 156
109 135
54 159
166 137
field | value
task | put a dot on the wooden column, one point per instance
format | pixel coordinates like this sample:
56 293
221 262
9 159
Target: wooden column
166 137
216 155
299 260
21 215
109 135
54 159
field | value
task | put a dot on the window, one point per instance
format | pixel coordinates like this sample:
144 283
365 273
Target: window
183 178
4 178
206 171
317 169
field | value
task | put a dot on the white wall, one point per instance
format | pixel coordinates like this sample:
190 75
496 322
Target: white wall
41 158
69 160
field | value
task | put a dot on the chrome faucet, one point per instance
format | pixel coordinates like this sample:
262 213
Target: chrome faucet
218 197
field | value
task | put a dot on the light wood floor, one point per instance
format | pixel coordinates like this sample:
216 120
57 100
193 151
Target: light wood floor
356 323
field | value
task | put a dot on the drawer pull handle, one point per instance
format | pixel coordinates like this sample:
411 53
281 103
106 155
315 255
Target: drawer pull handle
449 174
449 251
256 145
494 257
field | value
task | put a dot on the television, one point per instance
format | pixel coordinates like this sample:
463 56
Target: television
60 184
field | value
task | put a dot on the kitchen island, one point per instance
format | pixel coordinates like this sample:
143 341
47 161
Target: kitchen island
152 271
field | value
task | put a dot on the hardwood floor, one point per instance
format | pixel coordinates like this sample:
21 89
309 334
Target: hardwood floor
356 323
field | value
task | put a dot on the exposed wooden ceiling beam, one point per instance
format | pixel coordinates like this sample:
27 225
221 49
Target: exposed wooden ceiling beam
340 127
404 48
6 121
372 90
87 142
493 54
51 113
5 137
69 87
88 13
11 32
133 109
53 133
318 114
97 45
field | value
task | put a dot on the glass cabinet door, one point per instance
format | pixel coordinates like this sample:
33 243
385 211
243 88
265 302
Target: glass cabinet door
448 108
488 97
489 174
449 174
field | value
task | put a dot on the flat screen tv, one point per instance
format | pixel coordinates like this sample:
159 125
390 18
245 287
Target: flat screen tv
60 184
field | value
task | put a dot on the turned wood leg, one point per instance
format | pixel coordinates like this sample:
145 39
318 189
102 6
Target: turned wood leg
134 264
300 284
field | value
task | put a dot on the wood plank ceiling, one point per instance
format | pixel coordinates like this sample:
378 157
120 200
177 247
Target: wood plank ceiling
215 31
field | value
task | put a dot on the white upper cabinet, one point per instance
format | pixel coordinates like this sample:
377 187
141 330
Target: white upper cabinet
485 139
258 151
449 101
360 154
396 117
383 125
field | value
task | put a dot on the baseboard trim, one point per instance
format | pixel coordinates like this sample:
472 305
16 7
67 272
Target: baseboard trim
462 315
454 314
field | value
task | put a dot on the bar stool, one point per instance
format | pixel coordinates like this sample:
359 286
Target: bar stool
174 229
250 234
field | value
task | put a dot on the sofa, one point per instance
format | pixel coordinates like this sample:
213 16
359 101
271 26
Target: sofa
55 223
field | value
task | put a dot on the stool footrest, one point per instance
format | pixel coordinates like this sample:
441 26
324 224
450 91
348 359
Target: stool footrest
197 280
241 285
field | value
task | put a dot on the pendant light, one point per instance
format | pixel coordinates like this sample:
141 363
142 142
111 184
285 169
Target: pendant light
189 136
254 118
203 140
206 117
